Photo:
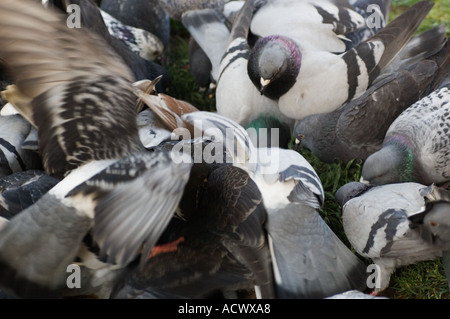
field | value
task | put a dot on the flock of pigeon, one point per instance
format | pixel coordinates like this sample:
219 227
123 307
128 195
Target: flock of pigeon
111 188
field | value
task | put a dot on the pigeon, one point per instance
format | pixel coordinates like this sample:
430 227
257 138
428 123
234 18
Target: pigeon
20 190
297 57
84 105
148 15
434 223
309 260
141 68
176 8
342 134
223 46
416 145
14 130
376 221
98 219
215 243
140 41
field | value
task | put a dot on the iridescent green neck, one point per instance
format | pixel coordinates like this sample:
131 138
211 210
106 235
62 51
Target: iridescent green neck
271 131
407 167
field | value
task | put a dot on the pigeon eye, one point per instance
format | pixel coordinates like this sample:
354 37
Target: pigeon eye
434 224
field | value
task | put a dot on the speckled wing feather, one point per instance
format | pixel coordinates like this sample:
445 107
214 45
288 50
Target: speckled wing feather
83 101
134 200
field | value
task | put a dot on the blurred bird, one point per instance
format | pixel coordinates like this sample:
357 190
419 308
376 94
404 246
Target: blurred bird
416 145
141 68
84 105
216 242
376 221
309 260
343 134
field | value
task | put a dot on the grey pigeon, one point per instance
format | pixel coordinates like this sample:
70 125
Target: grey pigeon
343 134
309 260
298 56
376 221
416 145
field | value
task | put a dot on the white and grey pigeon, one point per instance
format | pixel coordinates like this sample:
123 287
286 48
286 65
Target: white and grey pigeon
148 15
342 135
417 144
301 62
228 52
140 41
84 106
309 260
376 221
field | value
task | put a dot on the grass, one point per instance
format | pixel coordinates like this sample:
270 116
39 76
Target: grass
425 280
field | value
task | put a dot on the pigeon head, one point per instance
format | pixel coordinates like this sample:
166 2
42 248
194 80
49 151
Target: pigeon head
317 132
270 131
273 65
393 163
349 191
437 222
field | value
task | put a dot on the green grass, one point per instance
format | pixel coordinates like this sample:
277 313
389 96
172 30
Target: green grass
424 280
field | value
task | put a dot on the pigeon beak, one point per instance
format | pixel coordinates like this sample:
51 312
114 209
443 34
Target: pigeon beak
264 84
297 146
362 180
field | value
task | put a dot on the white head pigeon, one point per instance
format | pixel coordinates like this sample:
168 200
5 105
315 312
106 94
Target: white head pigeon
228 51
376 221
416 145
309 260
301 63
342 134
83 104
